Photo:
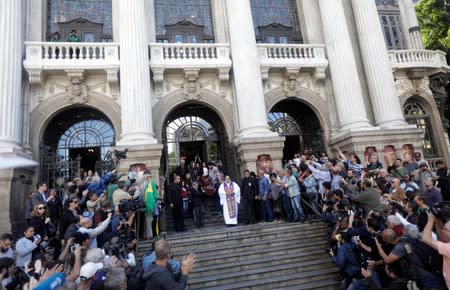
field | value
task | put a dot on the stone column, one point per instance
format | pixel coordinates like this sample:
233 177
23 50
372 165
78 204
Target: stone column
116 20
249 99
408 13
150 10
135 91
380 80
344 76
219 20
11 48
312 32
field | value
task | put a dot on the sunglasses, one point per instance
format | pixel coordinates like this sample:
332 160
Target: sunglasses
74 201
41 208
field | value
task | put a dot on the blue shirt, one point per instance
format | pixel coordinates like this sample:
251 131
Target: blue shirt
263 187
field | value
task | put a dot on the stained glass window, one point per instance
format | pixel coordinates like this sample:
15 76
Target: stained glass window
173 11
99 11
284 12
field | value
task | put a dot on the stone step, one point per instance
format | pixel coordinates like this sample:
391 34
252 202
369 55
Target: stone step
270 280
223 232
260 256
240 244
246 263
216 259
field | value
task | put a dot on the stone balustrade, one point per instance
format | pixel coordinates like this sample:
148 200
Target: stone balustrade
75 59
417 58
301 56
190 56
82 55
71 55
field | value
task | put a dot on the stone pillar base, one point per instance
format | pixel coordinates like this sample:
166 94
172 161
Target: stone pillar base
14 187
248 150
357 141
150 155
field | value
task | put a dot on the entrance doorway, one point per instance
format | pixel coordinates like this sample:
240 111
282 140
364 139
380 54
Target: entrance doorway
88 157
193 151
298 123
76 140
195 132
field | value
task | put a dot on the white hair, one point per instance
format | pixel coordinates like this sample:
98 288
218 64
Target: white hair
393 220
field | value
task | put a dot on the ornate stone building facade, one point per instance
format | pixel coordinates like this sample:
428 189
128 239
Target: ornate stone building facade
211 80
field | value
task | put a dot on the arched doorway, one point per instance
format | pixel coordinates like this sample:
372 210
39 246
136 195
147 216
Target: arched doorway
415 114
194 132
298 123
76 140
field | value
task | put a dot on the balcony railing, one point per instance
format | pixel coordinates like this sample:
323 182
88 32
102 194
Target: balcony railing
279 54
71 55
189 55
300 56
417 58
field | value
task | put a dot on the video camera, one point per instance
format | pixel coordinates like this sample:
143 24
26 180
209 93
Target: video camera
128 205
441 211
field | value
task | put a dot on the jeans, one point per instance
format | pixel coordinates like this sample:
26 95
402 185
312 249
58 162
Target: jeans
287 206
266 210
299 215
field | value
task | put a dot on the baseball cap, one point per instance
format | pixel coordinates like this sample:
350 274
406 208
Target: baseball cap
89 269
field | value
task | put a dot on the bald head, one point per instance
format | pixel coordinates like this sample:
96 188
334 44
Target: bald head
389 236
162 249
85 222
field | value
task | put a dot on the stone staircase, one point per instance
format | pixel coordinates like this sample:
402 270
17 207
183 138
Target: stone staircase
260 256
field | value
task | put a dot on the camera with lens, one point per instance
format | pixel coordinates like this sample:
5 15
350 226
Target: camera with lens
441 211
126 206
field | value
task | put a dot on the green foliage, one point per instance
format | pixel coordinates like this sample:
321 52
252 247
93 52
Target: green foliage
434 21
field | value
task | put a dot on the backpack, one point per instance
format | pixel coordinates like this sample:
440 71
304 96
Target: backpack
419 260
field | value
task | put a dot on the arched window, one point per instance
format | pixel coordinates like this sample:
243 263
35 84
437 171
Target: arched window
88 133
415 114
283 124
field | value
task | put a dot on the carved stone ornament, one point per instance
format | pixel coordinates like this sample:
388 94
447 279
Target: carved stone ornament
77 92
290 83
191 89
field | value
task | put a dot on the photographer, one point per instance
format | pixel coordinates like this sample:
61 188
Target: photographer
443 245
159 277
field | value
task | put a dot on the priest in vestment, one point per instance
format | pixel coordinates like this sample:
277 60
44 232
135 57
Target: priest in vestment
230 197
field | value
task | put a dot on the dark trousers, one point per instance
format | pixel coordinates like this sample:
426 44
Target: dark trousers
199 215
178 217
248 205
287 207
266 210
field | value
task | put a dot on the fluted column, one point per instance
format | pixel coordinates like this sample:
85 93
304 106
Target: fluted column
311 14
249 98
11 47
380 80
344 76
408 13
116 20
135 93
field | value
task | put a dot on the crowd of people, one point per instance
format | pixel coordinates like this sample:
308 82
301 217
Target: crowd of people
381 220
82 234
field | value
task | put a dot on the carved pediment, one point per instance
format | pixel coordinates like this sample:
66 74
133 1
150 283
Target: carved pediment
184 23
275 26
78 21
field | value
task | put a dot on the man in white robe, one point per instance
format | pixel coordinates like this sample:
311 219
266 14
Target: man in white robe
230 197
